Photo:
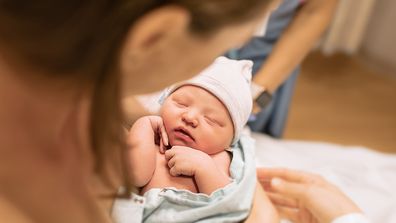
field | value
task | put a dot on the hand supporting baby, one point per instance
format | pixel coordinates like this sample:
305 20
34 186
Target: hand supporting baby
305 197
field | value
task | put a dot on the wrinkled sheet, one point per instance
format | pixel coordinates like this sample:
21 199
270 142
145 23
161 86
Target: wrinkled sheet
366 176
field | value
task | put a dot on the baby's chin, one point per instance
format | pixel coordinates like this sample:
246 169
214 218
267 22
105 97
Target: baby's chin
180 143
177 142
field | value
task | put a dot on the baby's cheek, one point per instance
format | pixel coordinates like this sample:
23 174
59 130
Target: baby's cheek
212 148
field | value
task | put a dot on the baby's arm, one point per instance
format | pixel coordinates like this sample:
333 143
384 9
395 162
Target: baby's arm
208 175
209 180
143 141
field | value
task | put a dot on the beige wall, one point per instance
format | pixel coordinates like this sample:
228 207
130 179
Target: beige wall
379 43
346 31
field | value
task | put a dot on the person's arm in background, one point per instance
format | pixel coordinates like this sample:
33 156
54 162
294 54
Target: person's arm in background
296 41
304 197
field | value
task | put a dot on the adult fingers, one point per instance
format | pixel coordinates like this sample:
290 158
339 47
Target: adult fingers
288 213
296 215
306 216
289 189
281 200
266 184
266 174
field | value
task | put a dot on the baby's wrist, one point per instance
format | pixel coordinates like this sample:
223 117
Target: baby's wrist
204 169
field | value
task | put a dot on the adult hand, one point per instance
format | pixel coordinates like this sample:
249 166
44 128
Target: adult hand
304 197
262 209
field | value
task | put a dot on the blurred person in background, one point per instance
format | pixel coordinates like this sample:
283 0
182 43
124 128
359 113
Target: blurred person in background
277 50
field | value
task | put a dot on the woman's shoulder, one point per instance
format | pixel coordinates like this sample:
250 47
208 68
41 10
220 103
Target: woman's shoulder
10 213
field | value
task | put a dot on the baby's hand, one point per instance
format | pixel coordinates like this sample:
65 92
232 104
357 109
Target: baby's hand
186 161
161 137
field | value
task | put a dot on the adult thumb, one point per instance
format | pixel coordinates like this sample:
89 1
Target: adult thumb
289 189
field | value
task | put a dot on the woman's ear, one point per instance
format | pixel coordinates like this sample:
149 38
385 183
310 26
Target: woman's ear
158 27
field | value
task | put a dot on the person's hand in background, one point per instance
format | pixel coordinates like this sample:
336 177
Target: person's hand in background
304 197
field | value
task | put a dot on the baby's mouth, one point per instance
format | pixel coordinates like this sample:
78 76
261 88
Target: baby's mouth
184 132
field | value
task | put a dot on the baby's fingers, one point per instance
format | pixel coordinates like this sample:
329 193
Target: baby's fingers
162 147
174 172
164 139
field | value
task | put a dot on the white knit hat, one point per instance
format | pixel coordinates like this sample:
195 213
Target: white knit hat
229 80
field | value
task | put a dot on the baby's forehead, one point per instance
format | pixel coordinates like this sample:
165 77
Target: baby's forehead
190 90
185 92
187 87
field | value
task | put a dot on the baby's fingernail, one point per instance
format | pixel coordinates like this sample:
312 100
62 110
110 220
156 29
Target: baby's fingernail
276 182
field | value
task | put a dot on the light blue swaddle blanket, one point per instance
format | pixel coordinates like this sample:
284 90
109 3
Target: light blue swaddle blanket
229 204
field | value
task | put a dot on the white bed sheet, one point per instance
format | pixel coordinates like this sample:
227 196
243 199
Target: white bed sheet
368 177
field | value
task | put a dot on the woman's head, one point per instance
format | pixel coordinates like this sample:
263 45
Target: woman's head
85 38
177 41
103 43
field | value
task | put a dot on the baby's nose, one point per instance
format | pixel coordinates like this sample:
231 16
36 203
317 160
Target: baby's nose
190 118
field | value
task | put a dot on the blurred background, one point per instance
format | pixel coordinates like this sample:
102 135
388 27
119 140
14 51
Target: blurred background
346 92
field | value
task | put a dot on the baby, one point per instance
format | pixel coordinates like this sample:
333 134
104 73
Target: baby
187 148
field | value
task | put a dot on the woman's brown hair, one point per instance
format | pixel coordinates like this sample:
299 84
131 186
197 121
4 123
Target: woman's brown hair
81 41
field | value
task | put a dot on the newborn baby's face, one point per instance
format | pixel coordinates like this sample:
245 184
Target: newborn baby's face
195 118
